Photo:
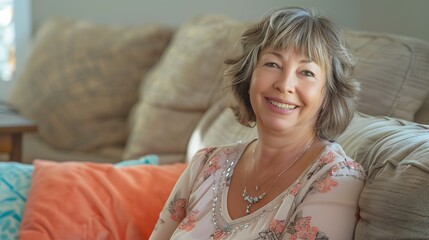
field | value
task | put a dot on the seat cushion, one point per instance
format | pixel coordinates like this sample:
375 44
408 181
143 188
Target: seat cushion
395 153
34 147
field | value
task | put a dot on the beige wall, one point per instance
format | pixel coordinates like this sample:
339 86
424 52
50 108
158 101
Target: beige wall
404 17
409 18
174 12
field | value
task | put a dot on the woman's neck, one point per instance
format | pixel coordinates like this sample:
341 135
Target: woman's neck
280 150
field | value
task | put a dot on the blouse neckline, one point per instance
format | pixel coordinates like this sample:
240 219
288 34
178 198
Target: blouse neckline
223 189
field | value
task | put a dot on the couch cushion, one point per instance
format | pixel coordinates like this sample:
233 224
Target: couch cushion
422 115
81 80
394 202
181 87
15 179
34 147
218 127
96 201
394 74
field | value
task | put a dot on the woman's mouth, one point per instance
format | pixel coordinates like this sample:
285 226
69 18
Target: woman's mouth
283 106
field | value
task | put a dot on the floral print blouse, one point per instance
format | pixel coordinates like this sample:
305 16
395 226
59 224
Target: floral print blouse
321 204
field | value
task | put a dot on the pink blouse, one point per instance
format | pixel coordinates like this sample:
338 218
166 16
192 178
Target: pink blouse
321 204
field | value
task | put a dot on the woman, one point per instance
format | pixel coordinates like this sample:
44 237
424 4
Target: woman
293 83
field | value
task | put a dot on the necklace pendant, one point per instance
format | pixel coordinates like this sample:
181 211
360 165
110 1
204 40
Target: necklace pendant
248 209
257 188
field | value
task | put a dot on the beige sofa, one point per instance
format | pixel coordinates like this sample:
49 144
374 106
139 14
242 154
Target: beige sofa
104 93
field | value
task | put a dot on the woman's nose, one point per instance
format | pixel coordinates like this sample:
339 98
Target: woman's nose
285 82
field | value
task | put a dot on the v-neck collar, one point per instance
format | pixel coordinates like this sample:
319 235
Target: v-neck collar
240 223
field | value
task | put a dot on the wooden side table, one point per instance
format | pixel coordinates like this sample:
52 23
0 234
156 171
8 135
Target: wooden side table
12 126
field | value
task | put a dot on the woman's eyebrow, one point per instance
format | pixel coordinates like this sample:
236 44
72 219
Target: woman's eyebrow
275 54
305 60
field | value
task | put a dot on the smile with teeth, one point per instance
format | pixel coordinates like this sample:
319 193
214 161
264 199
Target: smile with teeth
283 105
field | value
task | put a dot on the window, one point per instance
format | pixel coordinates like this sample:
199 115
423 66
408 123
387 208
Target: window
7 40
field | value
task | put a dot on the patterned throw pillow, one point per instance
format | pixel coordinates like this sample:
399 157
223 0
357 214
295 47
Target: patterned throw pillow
15 179
15 183
181 87
81 80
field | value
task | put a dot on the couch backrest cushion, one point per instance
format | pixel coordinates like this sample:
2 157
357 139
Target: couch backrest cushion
181 87
394 202
394 73
422 115
81 80
218 127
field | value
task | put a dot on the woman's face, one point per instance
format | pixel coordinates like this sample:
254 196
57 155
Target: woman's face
287 91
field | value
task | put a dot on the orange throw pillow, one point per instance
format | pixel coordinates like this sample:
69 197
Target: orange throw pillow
74 200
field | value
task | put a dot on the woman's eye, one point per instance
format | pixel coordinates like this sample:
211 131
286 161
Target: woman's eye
308 73
272 64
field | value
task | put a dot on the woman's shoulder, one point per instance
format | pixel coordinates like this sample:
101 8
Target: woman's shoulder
228 149
209 160
334 160
333 153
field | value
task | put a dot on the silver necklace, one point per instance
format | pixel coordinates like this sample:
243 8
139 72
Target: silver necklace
252 200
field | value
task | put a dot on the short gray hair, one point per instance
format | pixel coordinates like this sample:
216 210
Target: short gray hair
319 38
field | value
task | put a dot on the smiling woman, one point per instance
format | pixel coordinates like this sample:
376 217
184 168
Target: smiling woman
292 82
